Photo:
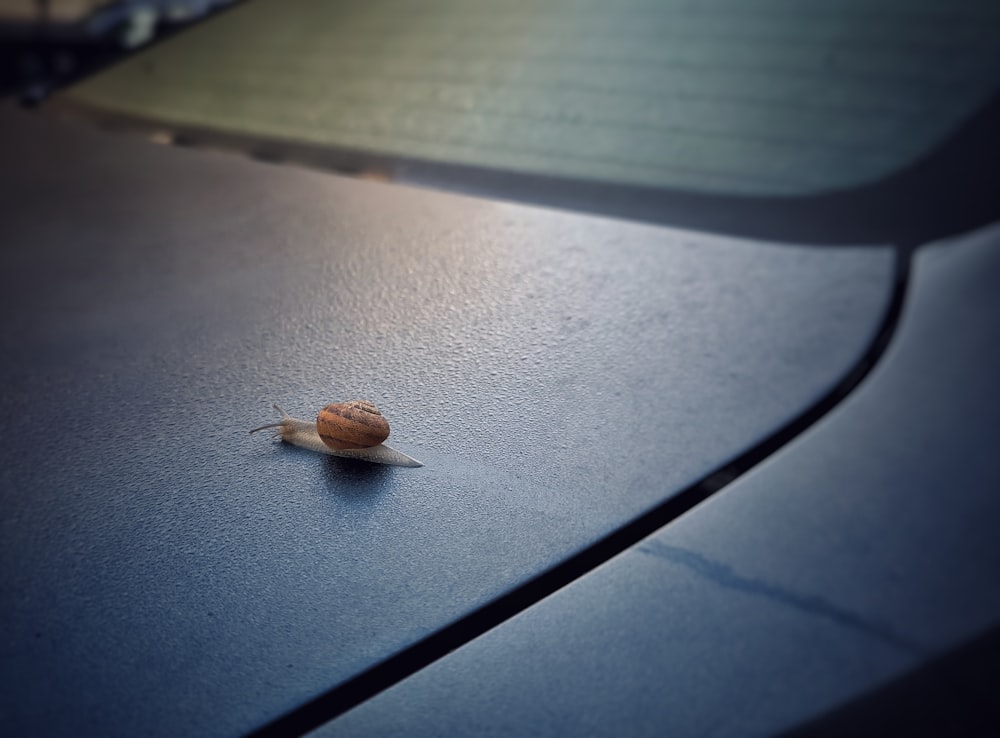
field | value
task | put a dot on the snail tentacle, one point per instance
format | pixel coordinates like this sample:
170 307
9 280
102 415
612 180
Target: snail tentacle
265 427
284 415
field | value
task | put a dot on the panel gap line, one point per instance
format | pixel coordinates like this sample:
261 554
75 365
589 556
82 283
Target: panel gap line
394 669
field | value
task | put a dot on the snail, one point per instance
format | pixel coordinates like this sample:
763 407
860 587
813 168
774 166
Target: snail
354 429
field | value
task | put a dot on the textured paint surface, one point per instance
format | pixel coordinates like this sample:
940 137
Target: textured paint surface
862 549
163 572
761 97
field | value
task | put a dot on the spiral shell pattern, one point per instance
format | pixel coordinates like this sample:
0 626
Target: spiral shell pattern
353 424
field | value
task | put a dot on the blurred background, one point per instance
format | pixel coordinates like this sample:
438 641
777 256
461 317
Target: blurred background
45 44
760 98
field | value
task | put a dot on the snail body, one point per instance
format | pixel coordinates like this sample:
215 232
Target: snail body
353 430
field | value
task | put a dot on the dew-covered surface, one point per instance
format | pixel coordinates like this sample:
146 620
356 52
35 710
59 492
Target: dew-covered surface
164 572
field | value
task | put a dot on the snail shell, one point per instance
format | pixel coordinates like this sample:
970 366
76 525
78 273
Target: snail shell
354 424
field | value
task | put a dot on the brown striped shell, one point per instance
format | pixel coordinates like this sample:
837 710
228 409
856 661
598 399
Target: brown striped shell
353 424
